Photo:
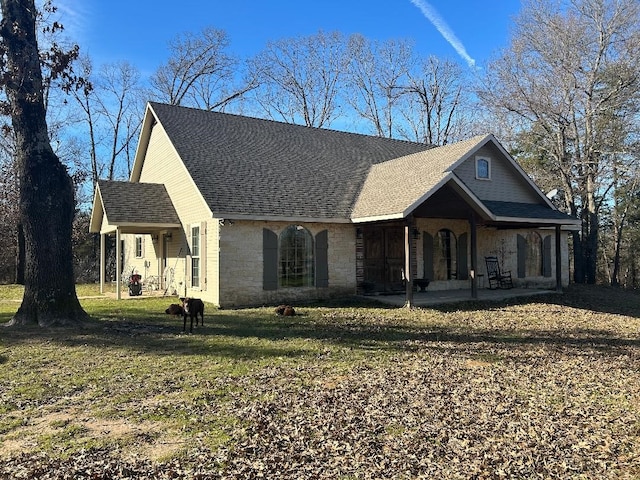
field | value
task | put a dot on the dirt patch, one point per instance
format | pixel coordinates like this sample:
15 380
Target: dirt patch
140 438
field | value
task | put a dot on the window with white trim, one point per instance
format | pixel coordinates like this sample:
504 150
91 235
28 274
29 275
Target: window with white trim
446 255
139 250
195 257
534 255
296 257
483 168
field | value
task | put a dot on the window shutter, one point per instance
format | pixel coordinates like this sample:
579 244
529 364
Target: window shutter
203 256
187 279
522 256
270 260
546 256
463 269
427 254
322 259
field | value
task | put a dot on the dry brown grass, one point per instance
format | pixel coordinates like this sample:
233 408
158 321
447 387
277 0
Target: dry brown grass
544 387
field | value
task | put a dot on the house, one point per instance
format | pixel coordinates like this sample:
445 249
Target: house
245 211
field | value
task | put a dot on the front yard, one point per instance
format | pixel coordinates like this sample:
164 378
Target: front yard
542 387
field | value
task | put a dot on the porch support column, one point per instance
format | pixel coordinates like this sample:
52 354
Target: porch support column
474 257
103 250
118 254
558 260
408 274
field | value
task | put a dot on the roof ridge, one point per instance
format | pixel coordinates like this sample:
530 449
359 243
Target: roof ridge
293 125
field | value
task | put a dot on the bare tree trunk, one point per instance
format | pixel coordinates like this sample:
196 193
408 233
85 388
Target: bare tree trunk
20 255
591 248
578 259
46 193
618 230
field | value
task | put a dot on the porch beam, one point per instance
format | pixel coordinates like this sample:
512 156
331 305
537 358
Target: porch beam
408 274
558 260
103 255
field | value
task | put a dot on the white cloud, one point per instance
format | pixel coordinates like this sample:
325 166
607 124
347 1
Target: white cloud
432 15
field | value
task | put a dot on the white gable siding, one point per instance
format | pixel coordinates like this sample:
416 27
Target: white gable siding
162 165
106 226
137 264
506 184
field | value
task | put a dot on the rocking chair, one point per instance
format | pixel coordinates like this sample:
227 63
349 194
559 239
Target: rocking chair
496 277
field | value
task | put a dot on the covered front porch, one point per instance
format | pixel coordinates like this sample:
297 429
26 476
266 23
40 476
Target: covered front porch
445 236
127 208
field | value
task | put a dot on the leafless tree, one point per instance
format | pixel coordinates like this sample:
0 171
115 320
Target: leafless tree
112 103
437 96
571 69
9 216
199 72
300 78
377 79
401 95
46 189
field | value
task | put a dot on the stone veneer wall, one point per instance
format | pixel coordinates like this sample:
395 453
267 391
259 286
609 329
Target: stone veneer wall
500 243
241 264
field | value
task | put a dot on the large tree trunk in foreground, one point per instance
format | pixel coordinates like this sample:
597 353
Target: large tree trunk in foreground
46 193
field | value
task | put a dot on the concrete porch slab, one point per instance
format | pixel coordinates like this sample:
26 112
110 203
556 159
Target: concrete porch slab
440 297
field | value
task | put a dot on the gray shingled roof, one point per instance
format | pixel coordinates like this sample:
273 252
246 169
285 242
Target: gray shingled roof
249 166
142 203
393 186
525 210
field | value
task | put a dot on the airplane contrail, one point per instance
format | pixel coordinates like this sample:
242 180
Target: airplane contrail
432 15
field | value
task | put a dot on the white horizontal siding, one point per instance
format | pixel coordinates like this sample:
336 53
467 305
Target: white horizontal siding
162 165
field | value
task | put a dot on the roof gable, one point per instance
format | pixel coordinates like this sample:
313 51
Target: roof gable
145 205
394 188
251 168
507 180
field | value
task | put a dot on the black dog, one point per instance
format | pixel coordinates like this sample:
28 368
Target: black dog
192 307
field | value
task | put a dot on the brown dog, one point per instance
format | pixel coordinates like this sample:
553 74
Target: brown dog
174 309
285 310
192 307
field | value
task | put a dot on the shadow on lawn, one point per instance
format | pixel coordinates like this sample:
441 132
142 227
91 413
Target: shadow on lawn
254 336
259 333
595 298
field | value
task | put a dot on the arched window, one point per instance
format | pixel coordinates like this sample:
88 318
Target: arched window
295 257
533 261
445 255
483 168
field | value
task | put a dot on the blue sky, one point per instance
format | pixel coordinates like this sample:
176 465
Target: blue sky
468 31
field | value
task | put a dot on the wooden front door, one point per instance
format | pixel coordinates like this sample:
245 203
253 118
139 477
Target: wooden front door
384 257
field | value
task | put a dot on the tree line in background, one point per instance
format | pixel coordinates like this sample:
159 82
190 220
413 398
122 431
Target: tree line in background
563 97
